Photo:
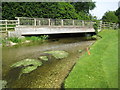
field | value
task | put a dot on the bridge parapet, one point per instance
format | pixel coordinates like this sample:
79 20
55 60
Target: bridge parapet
26 21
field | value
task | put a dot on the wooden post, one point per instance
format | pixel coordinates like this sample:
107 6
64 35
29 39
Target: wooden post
62 22
6 25
49 22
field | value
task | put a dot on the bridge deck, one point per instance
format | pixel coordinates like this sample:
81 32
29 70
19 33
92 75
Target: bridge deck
52 30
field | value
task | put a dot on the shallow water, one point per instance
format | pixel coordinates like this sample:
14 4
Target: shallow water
52 73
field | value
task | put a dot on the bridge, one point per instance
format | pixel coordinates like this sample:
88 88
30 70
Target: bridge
39 26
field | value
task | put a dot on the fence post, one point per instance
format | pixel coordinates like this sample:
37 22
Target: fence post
100 25
6 25
61 22
49 21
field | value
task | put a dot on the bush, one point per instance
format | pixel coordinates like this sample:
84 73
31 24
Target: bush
39 38
95 26
14 39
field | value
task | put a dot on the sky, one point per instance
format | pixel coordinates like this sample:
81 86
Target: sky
103 6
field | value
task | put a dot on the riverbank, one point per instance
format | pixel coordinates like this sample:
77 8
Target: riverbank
100 69
23 41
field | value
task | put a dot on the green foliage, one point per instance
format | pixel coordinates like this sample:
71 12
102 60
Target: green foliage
23 40
45 58
3 84
27 65
117 13
29 69
44 37
59 10
58 54
37 38
83 6
95 26
27 62
14 39
110 17
34 38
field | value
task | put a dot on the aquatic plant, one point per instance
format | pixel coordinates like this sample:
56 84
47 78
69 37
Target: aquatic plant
3 83
28 65
27 62
44 37
28 69
58 54
79 51
45 58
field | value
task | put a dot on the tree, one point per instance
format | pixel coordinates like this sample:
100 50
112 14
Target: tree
83 6
10 10
65 10
110 17
117 13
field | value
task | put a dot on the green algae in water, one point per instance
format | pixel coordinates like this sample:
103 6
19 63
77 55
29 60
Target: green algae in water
80 51
3 83
58 54
28 65
45 58
27 62
29 69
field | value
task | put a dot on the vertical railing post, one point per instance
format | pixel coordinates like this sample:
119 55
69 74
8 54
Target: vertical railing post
83 23
18 21
73 22
49 22
34 21
39 23
61 22
6 25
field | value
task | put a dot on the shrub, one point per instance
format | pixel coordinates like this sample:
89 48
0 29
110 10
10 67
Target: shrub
14 39
95 26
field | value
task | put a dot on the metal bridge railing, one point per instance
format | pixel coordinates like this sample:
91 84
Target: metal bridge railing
25 21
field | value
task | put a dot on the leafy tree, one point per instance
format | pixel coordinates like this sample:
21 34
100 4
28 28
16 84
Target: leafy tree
118 14
10 10
65 10
110 17
84 6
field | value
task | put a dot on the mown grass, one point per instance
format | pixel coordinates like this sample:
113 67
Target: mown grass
100 69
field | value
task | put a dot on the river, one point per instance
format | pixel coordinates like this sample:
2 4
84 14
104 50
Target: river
52 73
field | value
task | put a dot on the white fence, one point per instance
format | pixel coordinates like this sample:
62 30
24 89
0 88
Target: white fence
6 25
108 25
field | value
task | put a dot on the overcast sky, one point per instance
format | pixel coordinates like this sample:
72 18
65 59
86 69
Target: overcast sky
104 5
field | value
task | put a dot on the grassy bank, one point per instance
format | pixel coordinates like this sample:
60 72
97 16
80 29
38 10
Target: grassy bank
100 69
21 41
